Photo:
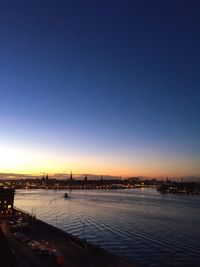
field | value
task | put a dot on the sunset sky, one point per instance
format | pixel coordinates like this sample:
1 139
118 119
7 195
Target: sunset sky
104 87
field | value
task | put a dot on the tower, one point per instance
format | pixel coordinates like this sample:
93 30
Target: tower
71 176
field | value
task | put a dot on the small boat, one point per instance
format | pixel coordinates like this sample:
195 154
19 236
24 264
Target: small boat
66 195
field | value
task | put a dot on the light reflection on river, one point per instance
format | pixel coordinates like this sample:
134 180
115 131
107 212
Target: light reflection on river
141 224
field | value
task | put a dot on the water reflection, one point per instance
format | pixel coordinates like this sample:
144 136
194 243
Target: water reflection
144 225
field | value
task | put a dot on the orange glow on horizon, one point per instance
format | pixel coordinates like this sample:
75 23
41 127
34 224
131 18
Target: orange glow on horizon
33 161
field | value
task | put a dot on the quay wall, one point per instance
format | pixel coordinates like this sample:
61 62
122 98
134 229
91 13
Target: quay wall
80 249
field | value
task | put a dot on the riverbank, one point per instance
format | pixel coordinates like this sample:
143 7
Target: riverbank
180 188
76 252
139 224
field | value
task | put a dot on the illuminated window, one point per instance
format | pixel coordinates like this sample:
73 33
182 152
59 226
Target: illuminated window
5 201
9 206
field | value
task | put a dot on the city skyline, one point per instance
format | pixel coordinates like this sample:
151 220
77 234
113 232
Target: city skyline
104 88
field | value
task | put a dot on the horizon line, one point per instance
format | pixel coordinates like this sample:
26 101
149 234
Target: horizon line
12 175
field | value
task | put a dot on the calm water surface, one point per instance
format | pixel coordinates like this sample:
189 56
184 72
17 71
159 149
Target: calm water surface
141 224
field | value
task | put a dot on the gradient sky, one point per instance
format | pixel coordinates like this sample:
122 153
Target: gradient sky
105 87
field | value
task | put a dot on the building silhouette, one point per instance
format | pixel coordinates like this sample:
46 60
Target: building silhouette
6 201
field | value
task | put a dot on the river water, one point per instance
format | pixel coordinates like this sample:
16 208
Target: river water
150 228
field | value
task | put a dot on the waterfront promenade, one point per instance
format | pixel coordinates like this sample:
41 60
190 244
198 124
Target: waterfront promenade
75 252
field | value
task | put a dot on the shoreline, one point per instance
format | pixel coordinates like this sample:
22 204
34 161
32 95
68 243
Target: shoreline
77 252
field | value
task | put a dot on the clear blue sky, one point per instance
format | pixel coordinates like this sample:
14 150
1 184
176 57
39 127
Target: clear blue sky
100 86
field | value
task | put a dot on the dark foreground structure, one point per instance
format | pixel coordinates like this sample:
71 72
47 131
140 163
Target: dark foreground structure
6 201
6 254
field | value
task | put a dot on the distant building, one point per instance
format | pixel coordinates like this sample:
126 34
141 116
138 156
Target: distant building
71 177
6 201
